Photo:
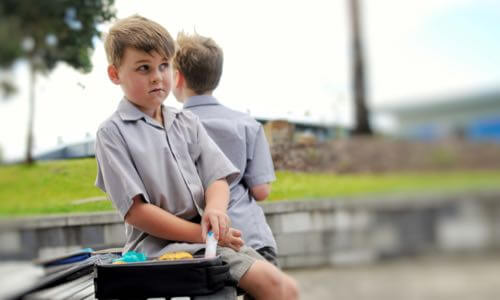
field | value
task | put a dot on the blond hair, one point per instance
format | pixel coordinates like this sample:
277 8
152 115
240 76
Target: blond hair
200 60
139 33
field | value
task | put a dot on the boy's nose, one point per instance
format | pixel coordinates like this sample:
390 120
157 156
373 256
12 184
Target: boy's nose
155 77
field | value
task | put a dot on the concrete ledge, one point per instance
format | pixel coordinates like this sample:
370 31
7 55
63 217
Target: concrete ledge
61 220
308 232
384 202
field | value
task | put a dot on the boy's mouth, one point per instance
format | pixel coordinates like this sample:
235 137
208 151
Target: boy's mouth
156 91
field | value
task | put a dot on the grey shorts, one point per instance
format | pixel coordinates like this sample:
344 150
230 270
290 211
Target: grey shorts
239 262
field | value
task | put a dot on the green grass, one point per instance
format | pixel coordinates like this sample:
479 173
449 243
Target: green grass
49 187
52 187
305 185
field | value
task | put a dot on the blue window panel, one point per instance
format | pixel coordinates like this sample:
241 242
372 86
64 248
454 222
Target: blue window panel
484 130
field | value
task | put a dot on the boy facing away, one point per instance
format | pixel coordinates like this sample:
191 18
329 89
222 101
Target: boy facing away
161 169
198 69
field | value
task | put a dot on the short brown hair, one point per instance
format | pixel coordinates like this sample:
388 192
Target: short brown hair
200 60
139 33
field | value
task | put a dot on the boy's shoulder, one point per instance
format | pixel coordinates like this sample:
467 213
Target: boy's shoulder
184 117
185 114
109 123
238 116
221 117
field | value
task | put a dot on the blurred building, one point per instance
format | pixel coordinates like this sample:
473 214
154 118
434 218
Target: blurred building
472 117
279 132
288 131
81 149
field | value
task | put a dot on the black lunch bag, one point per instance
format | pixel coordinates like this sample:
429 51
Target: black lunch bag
193 277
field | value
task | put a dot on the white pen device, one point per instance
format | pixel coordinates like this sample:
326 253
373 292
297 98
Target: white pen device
211 245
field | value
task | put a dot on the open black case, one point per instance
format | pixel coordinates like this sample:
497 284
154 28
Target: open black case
190 277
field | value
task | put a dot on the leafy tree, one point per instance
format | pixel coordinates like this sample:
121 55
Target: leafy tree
44 33
362 114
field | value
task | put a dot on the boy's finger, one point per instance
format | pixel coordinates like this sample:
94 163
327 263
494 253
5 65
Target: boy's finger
223 228
204 230
237 245
214 224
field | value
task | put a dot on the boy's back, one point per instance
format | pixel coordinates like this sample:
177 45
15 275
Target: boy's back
242 140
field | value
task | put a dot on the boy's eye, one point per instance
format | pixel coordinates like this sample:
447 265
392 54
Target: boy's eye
143 68
163 66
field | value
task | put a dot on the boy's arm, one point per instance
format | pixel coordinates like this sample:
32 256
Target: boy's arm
160 223
259 171
261 191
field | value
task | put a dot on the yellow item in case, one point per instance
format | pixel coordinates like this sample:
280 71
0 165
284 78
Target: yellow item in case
176 255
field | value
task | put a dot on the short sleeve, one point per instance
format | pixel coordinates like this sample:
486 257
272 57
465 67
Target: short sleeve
260 167
212 164
116 174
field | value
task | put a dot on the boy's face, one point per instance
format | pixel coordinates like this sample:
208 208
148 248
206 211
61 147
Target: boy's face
145 78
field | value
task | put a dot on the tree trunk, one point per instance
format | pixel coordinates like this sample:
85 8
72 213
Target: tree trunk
29 145
362 114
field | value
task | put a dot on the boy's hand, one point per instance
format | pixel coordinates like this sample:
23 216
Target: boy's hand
233 240
217 221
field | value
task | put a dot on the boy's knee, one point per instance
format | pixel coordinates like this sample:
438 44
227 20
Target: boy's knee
285 286
265 281
282 284
276 280
291 288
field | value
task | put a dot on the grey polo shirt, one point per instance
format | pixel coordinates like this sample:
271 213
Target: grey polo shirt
170 166
243 141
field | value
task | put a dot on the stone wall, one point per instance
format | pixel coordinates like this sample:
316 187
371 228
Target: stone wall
308 233
381 155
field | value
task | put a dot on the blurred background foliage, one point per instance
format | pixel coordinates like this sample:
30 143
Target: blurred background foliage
44 33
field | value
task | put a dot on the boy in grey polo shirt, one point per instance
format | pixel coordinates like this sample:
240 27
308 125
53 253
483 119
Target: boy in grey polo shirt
161 169
198 68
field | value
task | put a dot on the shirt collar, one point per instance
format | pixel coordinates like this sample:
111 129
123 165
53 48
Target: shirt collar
200 100
129 112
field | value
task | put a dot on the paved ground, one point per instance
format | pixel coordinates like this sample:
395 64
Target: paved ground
431 278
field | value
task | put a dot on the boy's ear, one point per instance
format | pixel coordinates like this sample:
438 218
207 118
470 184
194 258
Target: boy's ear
179 79
113 74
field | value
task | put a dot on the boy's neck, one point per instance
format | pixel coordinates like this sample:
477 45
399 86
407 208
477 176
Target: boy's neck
188 93
191 93
156 114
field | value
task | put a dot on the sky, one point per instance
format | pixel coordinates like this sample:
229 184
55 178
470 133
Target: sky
283 59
